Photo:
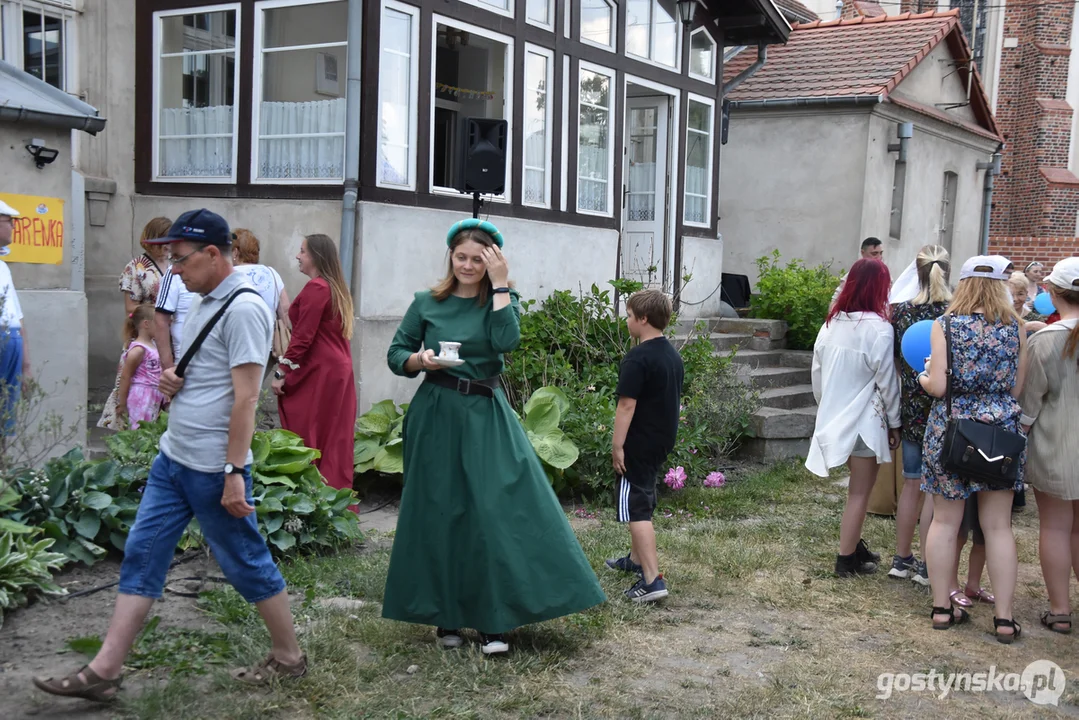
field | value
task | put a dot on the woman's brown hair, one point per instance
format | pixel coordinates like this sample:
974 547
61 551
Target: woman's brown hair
246 247
323 254
985 293
1071 297
448 285
156 228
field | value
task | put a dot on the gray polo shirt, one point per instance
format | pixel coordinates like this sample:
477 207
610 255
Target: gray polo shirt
198 433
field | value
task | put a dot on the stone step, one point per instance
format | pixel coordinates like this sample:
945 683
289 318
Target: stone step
774 377
797 358
777 423
786 398
722 342
759 358
774 449
775 329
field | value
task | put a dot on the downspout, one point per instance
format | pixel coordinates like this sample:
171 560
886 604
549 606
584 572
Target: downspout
762 57
992 169
350 205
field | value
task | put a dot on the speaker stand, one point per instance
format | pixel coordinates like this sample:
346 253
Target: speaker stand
477 203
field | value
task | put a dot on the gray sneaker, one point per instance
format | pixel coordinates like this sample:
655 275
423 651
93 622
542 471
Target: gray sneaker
902 567
921 574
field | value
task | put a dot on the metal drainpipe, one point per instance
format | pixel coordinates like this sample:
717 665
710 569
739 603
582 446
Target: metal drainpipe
349 204
762 57
992 169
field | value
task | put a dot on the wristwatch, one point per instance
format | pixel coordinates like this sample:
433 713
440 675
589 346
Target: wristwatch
278 375
230 469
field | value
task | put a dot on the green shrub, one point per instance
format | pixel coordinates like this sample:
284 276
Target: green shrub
26 570
795 293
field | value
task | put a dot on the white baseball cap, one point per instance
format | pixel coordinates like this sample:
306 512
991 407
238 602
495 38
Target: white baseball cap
1065 274
6 209
994 267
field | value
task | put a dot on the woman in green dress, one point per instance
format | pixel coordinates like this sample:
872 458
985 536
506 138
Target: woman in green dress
481 540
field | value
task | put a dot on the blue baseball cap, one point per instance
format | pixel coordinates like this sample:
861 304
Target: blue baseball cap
201 226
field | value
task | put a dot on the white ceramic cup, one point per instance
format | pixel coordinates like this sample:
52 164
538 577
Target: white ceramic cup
448 350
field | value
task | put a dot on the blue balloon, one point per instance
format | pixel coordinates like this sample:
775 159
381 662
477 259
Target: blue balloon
915 344
1043 304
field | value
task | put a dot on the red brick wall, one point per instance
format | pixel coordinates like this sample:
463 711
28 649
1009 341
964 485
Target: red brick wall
1036 124
1024 250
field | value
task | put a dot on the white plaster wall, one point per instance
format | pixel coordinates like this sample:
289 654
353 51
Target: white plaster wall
935 82
703 260
403 250
934 149
792 181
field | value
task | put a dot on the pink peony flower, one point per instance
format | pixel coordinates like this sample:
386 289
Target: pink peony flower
715 479
676 478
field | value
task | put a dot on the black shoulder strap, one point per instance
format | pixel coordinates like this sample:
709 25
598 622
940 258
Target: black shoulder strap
181 367
948 371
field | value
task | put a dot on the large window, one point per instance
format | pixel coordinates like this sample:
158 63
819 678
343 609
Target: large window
502 7
37 36
472 79
195 119
540 12
539 66
299 108
698 194
595 161
702 55
652 31
397 77
597 23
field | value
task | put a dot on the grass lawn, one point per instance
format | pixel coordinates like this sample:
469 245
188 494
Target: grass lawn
756 626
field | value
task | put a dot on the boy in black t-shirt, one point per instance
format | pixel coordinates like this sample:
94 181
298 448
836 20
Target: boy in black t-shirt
645 426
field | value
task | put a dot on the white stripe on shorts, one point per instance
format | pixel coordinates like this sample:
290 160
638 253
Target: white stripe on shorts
623 500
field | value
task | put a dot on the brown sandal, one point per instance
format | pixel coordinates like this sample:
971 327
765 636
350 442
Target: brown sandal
269 670
1056 623
93 687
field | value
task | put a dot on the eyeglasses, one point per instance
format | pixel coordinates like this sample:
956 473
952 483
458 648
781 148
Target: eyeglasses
6 220
173 260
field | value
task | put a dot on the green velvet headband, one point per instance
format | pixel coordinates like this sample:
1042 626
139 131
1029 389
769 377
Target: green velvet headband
483 225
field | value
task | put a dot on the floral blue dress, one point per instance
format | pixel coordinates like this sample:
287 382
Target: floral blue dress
985 357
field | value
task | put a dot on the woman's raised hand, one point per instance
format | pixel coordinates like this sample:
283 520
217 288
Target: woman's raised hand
498 270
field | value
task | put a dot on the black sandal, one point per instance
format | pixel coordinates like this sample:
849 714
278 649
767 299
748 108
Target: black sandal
1052 622
964 616
1007 639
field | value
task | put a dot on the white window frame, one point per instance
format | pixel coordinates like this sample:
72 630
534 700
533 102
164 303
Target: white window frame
711 150
413 94
155 133
715 50
564 169
12 33
612 99
491 8
614 31
650 60
507 109
549 25
256 90
548 55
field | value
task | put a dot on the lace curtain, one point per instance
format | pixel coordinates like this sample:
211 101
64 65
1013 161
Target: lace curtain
696 195
196 156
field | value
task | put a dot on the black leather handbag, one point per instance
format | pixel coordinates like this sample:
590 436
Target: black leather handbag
978 451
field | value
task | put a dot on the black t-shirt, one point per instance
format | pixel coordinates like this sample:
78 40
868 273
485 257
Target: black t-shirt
652 374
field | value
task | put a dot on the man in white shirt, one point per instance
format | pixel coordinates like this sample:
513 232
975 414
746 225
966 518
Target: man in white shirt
173 302
14 359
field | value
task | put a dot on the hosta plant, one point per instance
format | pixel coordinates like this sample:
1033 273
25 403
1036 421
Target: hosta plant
543 415
26 570
378 439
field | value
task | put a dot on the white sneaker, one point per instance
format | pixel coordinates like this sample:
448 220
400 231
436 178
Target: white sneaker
493 644
449 639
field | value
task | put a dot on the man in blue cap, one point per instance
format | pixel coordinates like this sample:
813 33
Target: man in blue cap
203 468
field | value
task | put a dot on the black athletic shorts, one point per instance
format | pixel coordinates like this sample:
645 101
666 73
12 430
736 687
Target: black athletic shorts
635 492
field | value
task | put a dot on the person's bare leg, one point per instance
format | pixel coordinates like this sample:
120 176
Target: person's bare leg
643 547
976 565
940 550
906 516
1056 539
960 541
924 522
277 615
128 615
1075 537
863 473
995 515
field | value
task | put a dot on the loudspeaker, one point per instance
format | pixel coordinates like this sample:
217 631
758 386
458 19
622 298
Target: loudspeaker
481 156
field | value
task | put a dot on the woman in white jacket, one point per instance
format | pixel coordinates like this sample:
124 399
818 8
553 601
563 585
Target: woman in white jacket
857 392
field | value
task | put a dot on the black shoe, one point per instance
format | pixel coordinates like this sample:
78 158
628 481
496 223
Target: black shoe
864 554
849 566
449 639
493 644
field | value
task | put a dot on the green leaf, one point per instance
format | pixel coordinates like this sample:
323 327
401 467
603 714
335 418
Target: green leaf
348 528
273 479
365 449
270 505
283 540
118 540
390 460
554 393
88 525
385 408
90 645
301 504
16 528
543 417
272 524
96 500
102 475
374 424
555 449
260 448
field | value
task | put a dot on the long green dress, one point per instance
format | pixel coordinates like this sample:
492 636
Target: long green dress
481 540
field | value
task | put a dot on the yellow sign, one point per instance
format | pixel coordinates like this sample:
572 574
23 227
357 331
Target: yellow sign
38 231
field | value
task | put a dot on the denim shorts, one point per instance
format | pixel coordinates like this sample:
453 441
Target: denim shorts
173 495
912 460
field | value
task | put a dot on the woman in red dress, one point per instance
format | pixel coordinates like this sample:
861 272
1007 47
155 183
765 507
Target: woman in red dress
315 387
